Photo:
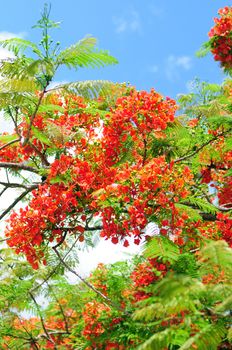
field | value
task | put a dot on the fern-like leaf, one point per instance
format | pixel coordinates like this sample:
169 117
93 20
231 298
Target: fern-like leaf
207 338
158 341
18 45
89 89
200 203
204 50
192 213
161 247
85 54
18 85
216 254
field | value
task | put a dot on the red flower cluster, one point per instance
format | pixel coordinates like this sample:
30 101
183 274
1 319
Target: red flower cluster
221 35
143 191
224 224
145 274
92 313
43 220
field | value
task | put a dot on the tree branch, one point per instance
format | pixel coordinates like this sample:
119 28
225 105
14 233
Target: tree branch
41 319
17 185
4 189
17 200
145 151
201 147
40 154
61 241
107 300
9 143
18 166
61 309
55 268
25 141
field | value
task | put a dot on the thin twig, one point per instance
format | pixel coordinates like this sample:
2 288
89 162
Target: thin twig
9 143
15 120
25 141
40 154
41 318
61 309
201 147
108 300
4 189
17 200
55 268
145 151
61 241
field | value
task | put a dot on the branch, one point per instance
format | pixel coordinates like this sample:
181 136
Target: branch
17 200
18 166
40 154
87 228
95 228
108 300
55 268
33 340
208 216
16 185
9 143
61 241
53 333
61 310
145 151
25 141
16 336
15 120
1 193
201 147
41 319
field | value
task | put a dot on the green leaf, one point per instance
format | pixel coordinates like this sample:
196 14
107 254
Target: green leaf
226 305
229 172
158 341
18 85
192 213
8 138
18 45
84 54
50 108
207 338
161 247
41 136
216 254
204 50
201 204
89 89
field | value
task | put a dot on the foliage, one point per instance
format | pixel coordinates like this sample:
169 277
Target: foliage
96 159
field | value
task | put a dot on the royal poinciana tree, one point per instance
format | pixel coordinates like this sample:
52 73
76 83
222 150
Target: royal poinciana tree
96 158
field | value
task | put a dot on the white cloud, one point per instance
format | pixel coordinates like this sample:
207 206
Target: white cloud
9 35
4 53
153 69
184 61
54 84
176 64
108 253
5 126
130 22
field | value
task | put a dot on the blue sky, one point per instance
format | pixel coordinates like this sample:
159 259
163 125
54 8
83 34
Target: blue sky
154 40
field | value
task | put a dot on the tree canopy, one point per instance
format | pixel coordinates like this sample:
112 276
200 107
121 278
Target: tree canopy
98 159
